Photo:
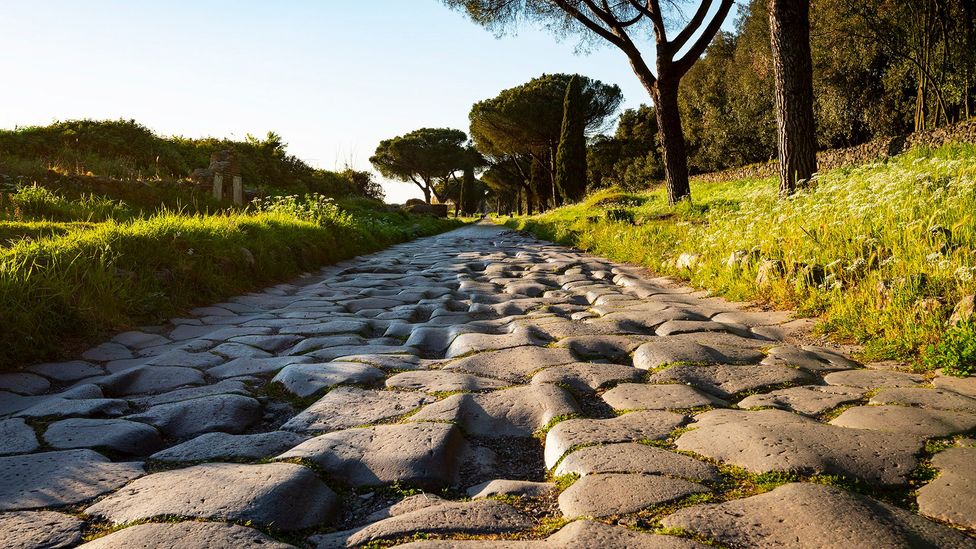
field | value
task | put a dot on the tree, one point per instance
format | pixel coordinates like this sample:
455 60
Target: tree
631 157
524 124
789 26
571 154
620 24
427 157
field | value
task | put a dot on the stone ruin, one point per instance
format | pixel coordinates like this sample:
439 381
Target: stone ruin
224 174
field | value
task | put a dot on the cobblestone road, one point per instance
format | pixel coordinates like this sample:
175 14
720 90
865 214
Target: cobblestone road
481 388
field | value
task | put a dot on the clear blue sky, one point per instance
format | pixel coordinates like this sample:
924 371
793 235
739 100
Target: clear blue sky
332 77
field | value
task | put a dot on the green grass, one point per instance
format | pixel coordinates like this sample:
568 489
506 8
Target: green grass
880 253
66 284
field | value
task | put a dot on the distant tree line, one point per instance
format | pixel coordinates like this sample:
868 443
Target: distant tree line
124 149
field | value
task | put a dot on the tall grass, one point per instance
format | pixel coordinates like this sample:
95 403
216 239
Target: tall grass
68 283
880 252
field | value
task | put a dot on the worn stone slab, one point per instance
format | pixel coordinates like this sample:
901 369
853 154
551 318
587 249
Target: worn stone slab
187 418
247 366
775 440
676 327
315 343
118 435
631 427
513 365
303 380
807 399
108 351
222 446
52 479
517 412
939 399
813 515
727 380
910 421
223 387
642 396
503 487
809 358
609 347
962 385
347 407
269 343
187 535
475 517
66 371
586 377
55 406
707 348
385 362
438 381
148 379
287 496
16 437
633 457
39 530
416 454
140 340
874 379
471 342
951 497
601 495
24 383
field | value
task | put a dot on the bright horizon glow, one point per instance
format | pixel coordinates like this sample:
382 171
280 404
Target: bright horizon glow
332 78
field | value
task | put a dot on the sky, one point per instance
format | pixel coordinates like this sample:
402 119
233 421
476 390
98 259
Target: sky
332 77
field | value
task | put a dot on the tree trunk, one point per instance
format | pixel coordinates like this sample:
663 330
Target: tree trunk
789 25
426 194
675 157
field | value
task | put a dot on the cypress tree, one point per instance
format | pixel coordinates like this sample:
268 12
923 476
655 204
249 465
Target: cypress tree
571 154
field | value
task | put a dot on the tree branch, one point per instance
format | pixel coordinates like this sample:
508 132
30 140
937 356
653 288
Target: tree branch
686 33
589 23
698 48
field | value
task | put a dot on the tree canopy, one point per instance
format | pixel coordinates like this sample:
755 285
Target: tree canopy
426 157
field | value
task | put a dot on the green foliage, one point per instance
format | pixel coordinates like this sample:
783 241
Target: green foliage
571 153
880 251
427 157
955 354
64 283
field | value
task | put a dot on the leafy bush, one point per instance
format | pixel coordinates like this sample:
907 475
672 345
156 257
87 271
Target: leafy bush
955 354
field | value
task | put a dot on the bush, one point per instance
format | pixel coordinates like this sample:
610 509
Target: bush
956 353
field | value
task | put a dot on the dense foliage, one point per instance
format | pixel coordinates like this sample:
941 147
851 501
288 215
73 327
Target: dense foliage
126 150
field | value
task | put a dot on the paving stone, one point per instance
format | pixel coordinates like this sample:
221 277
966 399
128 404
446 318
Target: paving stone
187 535
118 435
223 387
610 347
39 530
437 381
517 412
754 318
585 377
776 440
52 479
518 488
642 396
239 350
108 351
631 427
308 345
938 399
514 365
385 362
810 359
338 353
911 421
962 385
416 454
347 407
283 495
726 380
874 379
951 497
474 517
186 359
269 343
55 406
580 533
806 399
709 348
24 383
675 327
303 380
67 371
813 515
330 327
222 446
16 437
633 457
612 494
149 379
255 366
187 418
140 340
475 342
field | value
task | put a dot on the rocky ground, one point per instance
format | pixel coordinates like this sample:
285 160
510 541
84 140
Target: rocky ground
481 388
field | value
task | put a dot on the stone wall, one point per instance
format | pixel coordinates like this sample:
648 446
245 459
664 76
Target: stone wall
861 154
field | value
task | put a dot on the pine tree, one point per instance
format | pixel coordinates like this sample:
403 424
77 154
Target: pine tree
571 154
